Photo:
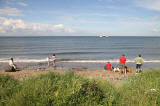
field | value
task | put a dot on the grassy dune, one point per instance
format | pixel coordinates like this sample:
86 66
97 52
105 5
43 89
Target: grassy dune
71 89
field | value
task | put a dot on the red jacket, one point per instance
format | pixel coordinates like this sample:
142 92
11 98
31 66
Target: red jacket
122 60
108 66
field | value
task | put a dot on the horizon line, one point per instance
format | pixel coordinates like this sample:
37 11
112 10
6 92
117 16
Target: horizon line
71 36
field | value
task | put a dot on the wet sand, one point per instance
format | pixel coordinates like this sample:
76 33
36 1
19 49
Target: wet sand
62 65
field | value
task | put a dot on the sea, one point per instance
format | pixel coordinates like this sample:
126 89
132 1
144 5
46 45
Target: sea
80 52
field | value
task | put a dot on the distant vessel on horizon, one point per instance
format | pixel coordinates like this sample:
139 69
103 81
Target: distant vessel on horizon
103 35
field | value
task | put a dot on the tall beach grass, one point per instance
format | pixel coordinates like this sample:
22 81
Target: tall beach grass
71 90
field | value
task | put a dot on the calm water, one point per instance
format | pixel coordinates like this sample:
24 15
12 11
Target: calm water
81 49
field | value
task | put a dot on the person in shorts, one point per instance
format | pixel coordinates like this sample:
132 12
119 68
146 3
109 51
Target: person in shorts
139 60
122 63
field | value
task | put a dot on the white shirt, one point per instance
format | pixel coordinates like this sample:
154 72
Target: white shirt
48 59
11 63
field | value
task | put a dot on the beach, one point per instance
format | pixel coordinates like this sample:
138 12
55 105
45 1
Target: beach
78 52
114 78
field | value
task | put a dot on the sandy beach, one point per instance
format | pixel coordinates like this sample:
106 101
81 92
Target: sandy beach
115 78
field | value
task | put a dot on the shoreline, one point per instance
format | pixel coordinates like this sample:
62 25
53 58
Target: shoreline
75 66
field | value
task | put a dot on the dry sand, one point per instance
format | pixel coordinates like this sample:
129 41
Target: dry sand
115 78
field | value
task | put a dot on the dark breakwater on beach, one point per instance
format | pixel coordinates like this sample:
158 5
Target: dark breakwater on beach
90 52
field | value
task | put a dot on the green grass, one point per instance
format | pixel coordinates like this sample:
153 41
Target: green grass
142 89
8 86
72 90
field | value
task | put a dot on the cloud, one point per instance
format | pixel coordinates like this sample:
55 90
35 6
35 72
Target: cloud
22 4
70 30
149 4
156 30
7 11
17 25
14 24
2 30
129 19
59 26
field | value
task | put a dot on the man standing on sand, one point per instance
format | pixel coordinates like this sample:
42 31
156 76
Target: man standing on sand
138 61
122 62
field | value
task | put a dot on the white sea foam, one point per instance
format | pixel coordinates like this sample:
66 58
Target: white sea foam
112 61
24 60
4 60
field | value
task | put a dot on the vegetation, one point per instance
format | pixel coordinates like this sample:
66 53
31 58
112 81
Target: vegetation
72 90
8 86
142 89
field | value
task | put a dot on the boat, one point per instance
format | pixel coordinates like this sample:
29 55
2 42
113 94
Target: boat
103 35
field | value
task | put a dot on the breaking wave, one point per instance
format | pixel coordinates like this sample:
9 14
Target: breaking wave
4 60
112 61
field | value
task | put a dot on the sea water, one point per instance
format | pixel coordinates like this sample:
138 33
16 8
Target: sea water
84 50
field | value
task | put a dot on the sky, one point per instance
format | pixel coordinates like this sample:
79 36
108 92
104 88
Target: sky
79 17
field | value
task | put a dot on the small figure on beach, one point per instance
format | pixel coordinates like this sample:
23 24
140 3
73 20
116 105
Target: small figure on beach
11 67
54 60
11 63
108 66
48 61
122 63
139 60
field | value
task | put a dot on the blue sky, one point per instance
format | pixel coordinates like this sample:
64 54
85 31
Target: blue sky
79 17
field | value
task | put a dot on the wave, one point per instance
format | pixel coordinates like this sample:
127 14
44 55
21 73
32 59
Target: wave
112 61
24 60
4 60
66 53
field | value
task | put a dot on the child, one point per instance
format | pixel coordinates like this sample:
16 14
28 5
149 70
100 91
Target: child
48 60
108 66
54 60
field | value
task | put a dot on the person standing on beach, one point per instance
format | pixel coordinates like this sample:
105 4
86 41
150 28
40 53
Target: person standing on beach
122 62
139 61
54 60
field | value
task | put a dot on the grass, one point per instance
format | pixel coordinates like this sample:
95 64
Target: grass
72 90
142 89
8 86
